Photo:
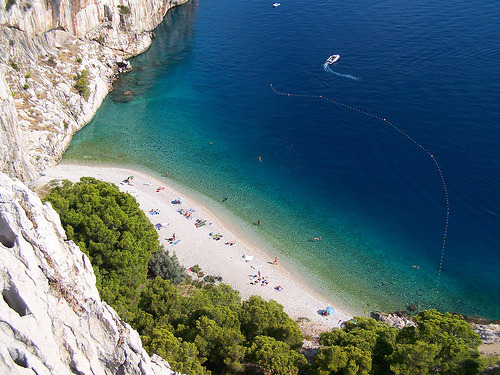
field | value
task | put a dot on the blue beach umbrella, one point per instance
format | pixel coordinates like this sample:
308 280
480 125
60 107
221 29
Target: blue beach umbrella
330 310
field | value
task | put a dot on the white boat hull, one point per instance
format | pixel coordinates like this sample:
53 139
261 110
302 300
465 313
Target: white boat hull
332 59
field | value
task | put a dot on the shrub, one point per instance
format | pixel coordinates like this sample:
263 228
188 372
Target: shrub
26 86
9 4
13 65
196 268
209 279
124 9
11 43
82 83
78 60
167 267
51 61
28 75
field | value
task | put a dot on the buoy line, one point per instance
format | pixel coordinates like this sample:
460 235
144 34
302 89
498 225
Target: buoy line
384 120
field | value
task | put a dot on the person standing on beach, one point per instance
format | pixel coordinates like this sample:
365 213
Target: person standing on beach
275 261
258 222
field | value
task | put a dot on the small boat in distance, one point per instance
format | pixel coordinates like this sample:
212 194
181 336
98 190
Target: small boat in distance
276 5
332 59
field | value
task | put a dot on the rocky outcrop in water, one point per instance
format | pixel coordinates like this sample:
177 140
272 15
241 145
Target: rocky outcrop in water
52 320
58 63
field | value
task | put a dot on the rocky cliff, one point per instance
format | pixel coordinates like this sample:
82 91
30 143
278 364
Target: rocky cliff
59 59
52 320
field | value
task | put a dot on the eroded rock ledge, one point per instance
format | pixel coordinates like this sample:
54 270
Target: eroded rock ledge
52 319
45 45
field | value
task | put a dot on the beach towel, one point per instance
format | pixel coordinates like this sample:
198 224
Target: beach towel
175 242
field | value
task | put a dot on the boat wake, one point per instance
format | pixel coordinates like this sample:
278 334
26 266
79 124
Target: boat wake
326 68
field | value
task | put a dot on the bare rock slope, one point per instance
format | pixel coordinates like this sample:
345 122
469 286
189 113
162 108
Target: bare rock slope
47 46
52 320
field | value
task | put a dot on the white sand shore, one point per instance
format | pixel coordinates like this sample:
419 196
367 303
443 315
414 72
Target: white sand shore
196 246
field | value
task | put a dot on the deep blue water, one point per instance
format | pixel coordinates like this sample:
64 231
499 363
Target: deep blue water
377 200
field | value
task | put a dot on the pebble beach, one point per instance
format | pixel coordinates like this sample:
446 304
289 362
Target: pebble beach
239 262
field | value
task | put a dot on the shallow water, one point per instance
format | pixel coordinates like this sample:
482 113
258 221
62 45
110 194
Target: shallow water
203 110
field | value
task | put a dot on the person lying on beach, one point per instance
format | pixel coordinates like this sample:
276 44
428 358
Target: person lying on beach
171 239
160 189
231 243
278 288
199 223
216 236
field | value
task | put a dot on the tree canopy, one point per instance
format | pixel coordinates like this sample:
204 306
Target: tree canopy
112 230
437 344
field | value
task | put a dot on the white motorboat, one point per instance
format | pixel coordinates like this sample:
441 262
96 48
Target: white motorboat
333 59
276 5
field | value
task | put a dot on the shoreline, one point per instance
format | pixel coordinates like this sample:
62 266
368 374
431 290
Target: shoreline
215 257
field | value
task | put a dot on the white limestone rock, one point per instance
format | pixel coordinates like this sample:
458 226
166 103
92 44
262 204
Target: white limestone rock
44 44
52 320
489 333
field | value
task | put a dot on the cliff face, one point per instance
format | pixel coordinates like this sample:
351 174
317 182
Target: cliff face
52 320
78 17
45 45
11 147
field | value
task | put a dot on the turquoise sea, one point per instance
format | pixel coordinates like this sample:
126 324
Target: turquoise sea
331 166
